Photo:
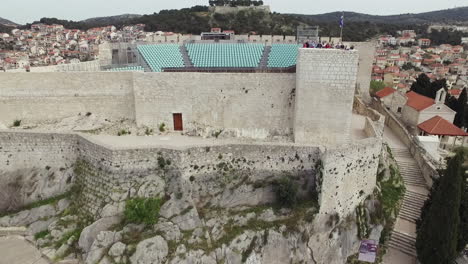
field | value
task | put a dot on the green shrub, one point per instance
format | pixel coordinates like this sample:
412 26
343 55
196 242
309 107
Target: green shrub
148 131
142 210
162 162
162 127
123 132
217 133
17 123
286 192
41 234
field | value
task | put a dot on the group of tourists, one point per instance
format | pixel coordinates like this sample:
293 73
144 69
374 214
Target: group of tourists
326 45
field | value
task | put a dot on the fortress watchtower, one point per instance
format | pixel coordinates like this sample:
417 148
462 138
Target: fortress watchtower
325 85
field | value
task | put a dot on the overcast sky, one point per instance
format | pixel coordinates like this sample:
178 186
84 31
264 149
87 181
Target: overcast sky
23 11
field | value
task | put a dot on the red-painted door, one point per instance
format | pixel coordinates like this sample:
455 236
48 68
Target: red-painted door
178 125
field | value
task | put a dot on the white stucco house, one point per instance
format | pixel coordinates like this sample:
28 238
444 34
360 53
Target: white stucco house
419 108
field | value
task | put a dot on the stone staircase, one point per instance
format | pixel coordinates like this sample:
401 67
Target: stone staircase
409 169
403 242
185 56
266 55
412 205
412 201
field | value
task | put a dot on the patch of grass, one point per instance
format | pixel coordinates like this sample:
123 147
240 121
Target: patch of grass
75 233
51 200
41 234
123 132
142 210
392 191
17 123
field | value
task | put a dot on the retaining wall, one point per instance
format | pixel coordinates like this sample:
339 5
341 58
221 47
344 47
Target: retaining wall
425 163
221 175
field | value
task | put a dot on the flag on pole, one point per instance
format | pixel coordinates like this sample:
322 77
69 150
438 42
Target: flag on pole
342 21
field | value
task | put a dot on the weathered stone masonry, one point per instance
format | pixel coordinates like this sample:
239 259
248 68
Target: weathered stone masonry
209 174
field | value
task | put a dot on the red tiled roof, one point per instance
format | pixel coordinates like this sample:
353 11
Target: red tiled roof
385 92
418 102
455 91
441 127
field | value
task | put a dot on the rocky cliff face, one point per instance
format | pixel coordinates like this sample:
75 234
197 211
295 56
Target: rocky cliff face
200 221
25 186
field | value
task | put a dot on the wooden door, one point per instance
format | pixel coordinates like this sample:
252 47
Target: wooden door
178 125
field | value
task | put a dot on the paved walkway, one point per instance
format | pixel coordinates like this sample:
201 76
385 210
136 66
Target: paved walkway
175 140
16 250
402 242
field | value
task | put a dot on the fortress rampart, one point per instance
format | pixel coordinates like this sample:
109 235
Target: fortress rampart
112 175
312 108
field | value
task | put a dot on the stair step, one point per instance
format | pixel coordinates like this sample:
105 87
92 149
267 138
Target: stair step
424 196
398 247
414 214
411 207
403 238
412 204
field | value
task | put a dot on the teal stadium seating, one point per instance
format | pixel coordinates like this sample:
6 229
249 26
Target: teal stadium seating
124 69
283 55
232 55
162 56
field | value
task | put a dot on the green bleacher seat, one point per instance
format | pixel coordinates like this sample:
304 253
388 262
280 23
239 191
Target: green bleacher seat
229 55
125 69
162 56
283 55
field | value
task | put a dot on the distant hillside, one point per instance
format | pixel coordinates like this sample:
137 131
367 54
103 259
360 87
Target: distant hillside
111 19
7 22
197 19
454 15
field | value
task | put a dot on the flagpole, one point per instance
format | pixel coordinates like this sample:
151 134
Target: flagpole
341 26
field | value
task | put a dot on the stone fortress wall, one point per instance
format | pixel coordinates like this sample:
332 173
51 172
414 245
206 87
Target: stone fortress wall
252 105
46 97
249 105
112 175
258 106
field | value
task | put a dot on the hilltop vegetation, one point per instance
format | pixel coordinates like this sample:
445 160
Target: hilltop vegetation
454 15
197 19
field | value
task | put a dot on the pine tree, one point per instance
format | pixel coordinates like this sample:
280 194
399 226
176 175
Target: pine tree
422 85
437 236
460 109
463 229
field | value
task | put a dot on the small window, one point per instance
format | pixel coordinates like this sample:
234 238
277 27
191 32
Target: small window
399 110
438 108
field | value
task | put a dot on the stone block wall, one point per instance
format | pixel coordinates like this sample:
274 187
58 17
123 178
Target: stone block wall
325 85
222 175
21 150
253 105
54 96
349 175
217 175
